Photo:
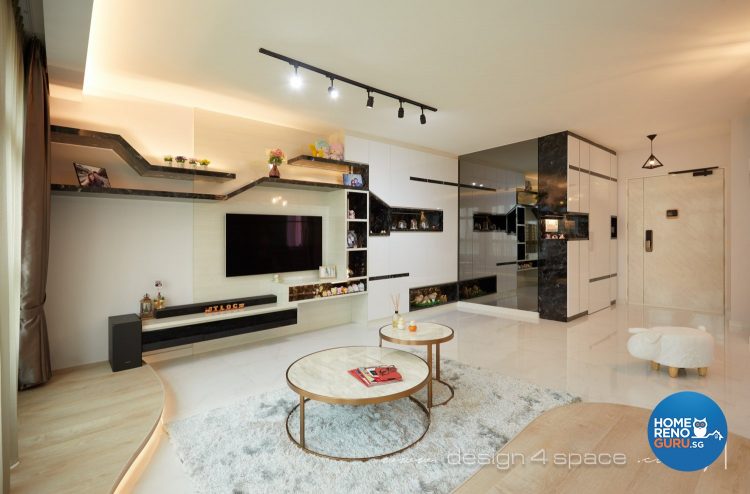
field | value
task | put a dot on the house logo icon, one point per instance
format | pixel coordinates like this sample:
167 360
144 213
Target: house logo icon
687 431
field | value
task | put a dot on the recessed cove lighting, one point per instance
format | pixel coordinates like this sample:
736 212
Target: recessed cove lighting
332 91
295 81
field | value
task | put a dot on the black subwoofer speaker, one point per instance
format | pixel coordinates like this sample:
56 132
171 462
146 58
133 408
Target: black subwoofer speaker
124 342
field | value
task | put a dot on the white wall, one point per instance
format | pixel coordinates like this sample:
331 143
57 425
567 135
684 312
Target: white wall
711 150
428 257
739 224
105 253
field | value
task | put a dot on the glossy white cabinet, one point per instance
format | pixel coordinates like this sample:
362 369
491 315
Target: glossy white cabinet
379 159
584 178
574 277
573 150
574 193
583 281
599 232
599 295
599 161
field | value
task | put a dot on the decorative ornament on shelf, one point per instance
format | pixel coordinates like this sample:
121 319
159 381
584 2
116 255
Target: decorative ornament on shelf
146 310
275 158
168 160
159 301
193 162
204 163
333 148
180 160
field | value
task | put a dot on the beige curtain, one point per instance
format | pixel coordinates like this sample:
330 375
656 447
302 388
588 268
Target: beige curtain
11 179
33 355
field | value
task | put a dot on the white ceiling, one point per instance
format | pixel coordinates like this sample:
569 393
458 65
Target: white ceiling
498 71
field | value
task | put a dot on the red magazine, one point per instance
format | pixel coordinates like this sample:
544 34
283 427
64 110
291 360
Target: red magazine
374 376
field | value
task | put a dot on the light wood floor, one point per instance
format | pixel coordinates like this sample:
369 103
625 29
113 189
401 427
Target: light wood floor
79 432
602 428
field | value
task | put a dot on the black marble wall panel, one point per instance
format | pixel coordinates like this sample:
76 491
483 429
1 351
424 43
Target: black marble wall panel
553 173
553 274
553 254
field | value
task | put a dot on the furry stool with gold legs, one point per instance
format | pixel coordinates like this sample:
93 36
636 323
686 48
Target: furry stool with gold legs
673 347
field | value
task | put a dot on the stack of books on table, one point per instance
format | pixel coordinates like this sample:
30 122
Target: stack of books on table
374 376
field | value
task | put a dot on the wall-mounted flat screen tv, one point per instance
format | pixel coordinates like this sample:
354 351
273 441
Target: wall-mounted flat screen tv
265 243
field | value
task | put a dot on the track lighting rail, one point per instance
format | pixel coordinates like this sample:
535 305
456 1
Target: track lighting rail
330 75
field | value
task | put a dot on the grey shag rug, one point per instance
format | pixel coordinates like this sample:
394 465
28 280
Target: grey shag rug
244 448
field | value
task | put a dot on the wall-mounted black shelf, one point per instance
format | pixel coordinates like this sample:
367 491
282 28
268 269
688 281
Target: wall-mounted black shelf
115 142
64 189
329 164
282 183
385 219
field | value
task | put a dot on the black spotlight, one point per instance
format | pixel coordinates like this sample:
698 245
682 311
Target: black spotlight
422 118
400 109
370 100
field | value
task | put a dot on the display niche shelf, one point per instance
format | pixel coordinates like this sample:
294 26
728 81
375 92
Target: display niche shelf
488 222
121 147
385 219
312 291
424 297
477 287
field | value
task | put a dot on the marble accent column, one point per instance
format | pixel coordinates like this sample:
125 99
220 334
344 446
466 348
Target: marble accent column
553 256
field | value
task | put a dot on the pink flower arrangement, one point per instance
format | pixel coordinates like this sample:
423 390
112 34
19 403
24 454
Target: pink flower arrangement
275 156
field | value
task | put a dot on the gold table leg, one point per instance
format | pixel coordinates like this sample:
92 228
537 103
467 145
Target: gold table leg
429 382
302 421
437 361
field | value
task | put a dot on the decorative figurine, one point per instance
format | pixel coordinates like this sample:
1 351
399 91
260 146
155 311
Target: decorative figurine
423 224
146 307
351 215
351 239
159 302
413 224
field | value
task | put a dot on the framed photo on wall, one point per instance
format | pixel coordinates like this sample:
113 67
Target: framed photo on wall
91 176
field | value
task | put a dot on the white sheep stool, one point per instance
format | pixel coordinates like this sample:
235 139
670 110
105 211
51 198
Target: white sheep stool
673 346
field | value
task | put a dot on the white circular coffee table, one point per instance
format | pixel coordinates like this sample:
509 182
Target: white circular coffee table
323 376
428 334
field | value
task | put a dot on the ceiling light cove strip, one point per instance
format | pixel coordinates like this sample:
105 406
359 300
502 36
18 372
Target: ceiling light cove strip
297 64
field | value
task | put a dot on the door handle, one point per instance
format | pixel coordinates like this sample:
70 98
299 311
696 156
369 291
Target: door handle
649 240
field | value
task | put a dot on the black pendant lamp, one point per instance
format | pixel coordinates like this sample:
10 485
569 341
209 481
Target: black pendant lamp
652 161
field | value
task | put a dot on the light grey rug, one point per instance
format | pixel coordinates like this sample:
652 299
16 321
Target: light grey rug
244 448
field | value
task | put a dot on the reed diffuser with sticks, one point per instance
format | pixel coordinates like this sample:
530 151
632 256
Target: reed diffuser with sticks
395 300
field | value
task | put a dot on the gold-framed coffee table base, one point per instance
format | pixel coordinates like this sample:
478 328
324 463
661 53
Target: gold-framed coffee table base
301 443
450 388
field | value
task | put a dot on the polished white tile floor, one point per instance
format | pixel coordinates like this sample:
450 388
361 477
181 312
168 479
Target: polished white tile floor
587 357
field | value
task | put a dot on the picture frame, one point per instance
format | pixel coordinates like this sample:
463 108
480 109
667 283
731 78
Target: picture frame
327 272
91 176
353 180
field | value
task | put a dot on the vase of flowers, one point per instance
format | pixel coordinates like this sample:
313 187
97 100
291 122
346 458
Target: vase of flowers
204 163
180 160
168 160
275 158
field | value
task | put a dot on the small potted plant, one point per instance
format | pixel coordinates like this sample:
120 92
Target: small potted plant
192 162
204 163
275 158
181 160
168 159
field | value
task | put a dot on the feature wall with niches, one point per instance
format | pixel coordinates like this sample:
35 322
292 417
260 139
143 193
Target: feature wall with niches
410 258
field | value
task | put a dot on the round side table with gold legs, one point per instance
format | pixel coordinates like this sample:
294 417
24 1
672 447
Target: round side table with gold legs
427 334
